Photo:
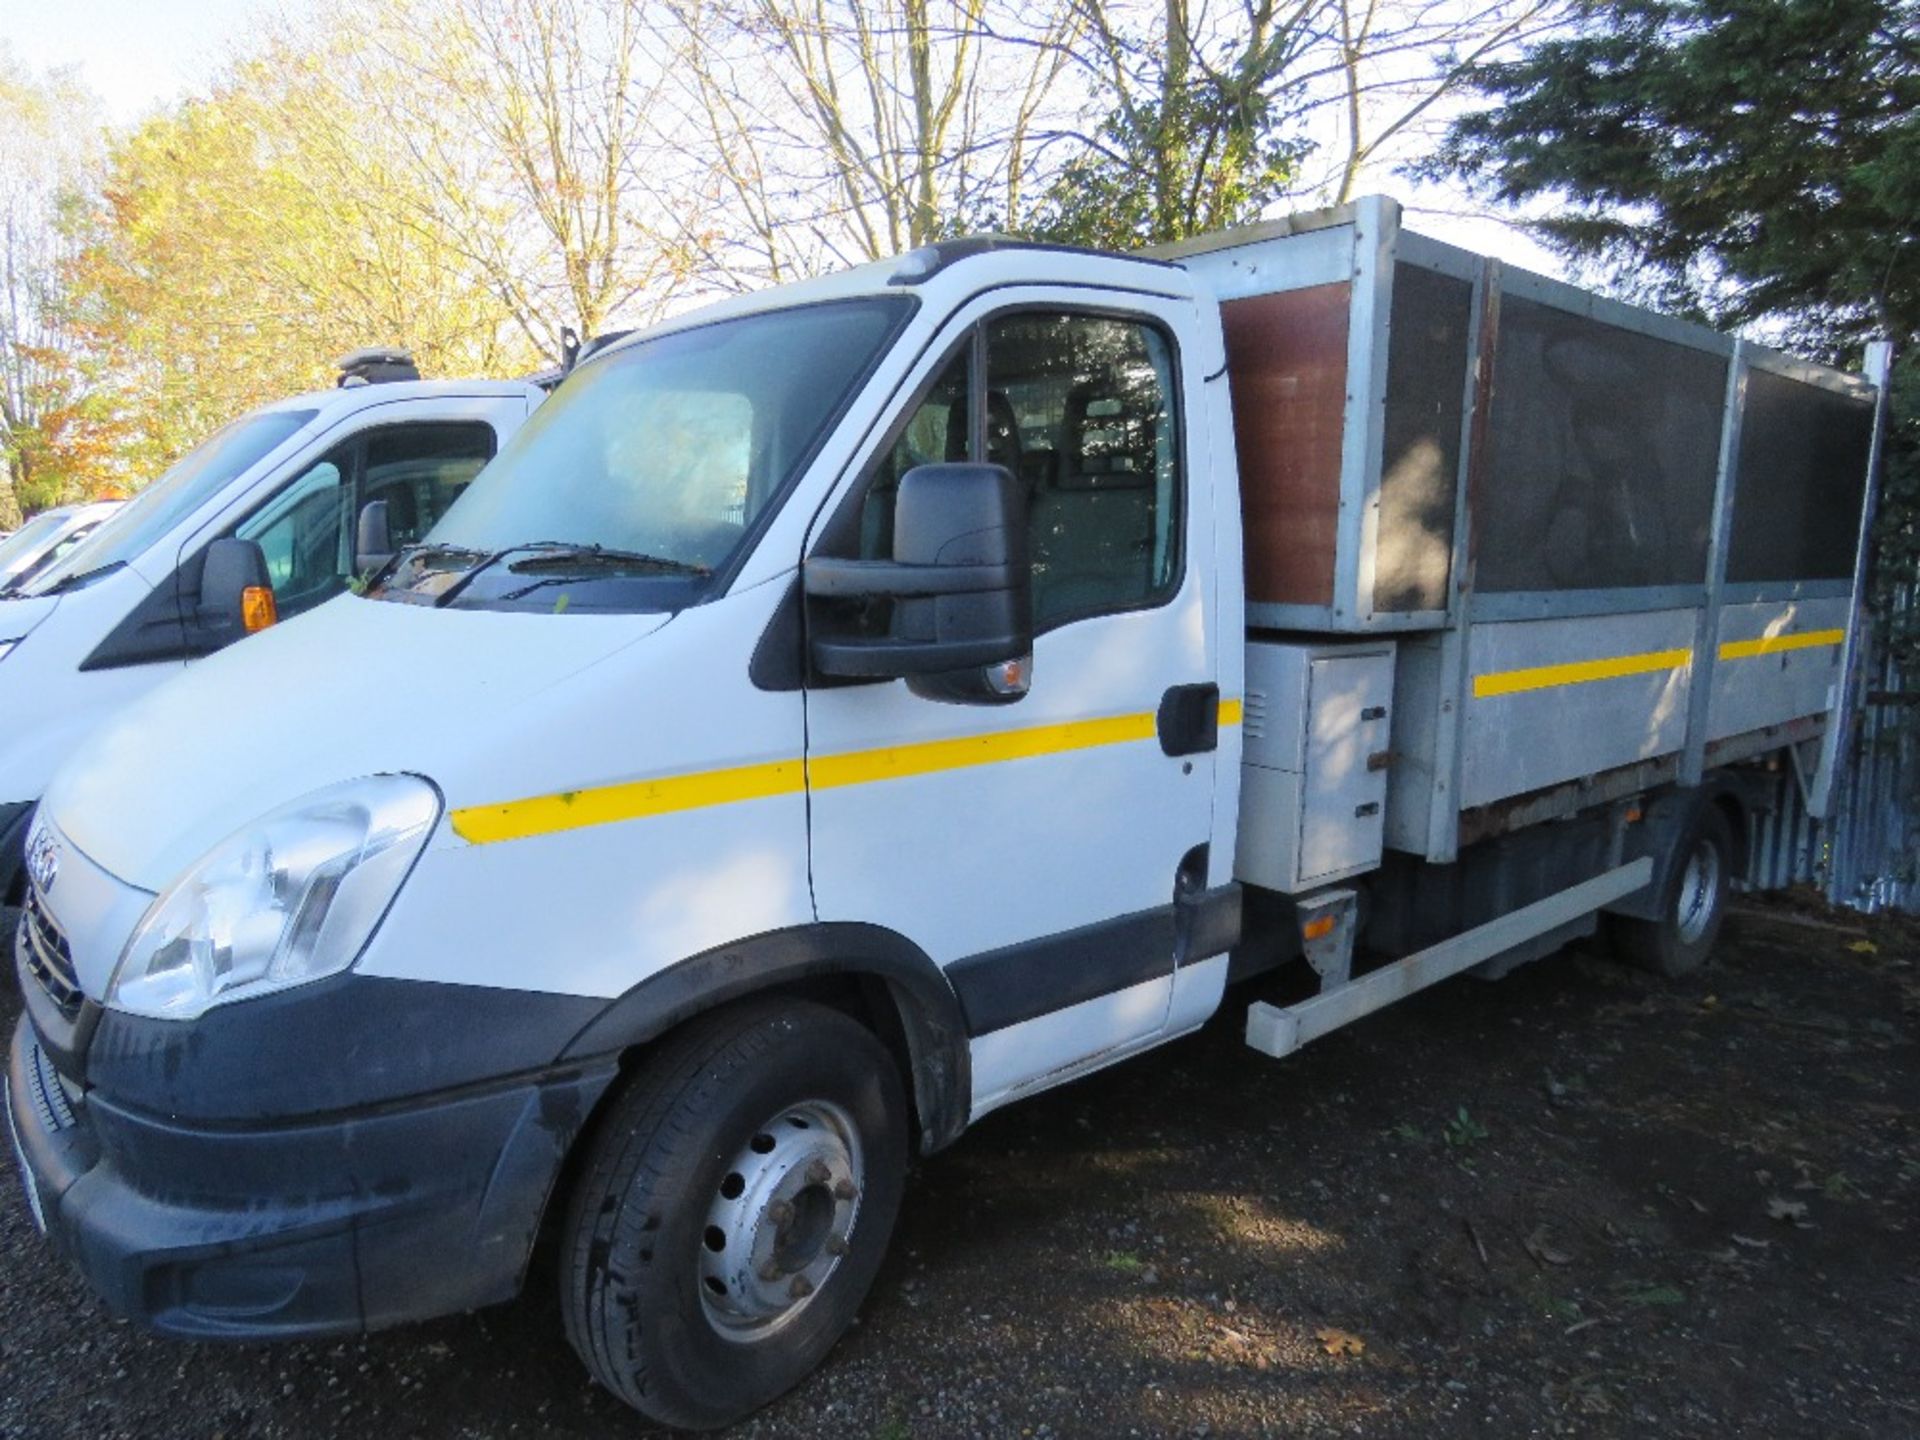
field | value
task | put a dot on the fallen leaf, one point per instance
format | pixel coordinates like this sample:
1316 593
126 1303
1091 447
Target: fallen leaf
1543 1250
1655 1295
1781 1208
1864 947
1340 1342
1750 1242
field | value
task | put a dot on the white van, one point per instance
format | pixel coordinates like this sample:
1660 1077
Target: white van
46 537
823 724
128 606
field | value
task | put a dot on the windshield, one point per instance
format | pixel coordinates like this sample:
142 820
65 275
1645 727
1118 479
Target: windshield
201 474
644 474
22 548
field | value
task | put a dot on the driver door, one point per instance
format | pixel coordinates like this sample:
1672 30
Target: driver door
1033 849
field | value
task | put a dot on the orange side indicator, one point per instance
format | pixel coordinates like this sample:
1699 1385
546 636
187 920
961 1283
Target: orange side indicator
257 608
1317 928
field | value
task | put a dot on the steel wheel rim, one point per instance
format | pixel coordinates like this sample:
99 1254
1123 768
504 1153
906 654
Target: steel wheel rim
1699 892
781 1220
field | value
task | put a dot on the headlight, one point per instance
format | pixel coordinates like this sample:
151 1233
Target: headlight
293 897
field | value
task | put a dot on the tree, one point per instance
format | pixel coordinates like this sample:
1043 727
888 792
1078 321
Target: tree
1210 112
840 131
1761 157
236 254
1190 140
1744 160
55 431
533 146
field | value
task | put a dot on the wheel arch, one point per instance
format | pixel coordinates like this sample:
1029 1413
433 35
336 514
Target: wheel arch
890 983
1668 818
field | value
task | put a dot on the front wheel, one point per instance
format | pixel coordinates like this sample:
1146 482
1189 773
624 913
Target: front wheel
734 1210
1693 906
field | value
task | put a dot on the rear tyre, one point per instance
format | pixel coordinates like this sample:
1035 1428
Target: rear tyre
733 1211
1692 907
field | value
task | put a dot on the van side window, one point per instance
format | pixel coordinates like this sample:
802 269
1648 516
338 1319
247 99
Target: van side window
307 530
302 532
1081 407
419 470
939 429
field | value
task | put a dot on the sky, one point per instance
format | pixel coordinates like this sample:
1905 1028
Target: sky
138 54
133 54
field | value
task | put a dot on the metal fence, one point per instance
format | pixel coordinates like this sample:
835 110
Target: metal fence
1866 854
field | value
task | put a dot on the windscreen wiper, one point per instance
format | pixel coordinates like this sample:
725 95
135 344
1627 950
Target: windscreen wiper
574 554
571 562
85 577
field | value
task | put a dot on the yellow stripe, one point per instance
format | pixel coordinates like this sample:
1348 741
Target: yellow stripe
575 809
896 762
1773 644
1231 711
1577 672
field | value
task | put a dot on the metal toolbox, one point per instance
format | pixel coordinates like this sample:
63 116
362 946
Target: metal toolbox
1314 762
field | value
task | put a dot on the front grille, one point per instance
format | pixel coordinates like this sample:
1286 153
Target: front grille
44 949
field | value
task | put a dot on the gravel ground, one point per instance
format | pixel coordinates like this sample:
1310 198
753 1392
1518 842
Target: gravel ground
1579 1201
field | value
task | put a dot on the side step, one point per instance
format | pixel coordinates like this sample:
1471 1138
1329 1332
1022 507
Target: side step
1275 1030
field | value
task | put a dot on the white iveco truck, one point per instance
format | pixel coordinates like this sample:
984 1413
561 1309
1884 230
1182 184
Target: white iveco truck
851 708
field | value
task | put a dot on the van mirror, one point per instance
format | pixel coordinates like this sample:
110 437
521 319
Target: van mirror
372 538
960 583
236 593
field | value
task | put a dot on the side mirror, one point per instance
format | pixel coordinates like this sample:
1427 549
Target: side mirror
236 594
961 584
372 538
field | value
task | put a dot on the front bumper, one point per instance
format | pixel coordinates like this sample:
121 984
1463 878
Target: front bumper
327 1226
13 838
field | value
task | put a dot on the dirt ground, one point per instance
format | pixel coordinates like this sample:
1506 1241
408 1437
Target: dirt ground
1577 1202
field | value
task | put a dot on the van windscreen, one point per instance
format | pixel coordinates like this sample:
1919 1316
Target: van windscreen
201 474
647 471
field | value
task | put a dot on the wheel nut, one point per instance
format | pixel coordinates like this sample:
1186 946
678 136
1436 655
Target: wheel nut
818 1174
781 1213
836 1245
769 1272
843 1190
800 1288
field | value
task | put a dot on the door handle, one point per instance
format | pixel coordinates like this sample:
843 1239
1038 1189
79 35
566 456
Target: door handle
1189 720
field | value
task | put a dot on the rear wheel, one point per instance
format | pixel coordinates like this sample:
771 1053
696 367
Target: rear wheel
733 1211
1693 906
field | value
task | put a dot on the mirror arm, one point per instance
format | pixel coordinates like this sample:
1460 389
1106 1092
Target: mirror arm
888 659
860 579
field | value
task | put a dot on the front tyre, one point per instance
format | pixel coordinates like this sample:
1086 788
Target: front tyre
734 1210
1693 906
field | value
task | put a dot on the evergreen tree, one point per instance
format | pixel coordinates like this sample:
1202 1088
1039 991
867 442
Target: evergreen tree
1742 160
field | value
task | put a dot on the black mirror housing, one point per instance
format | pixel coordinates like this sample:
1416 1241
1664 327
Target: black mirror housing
232 568
960 579
372 538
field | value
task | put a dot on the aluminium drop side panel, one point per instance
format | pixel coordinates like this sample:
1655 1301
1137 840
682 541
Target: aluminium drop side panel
1775 661
1551 701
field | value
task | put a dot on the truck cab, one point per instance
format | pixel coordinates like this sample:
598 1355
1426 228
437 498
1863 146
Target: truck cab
124 609
821 725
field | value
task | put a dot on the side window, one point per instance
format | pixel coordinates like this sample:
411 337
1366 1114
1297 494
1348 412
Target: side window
304 533
419 470
1081 407
939 429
